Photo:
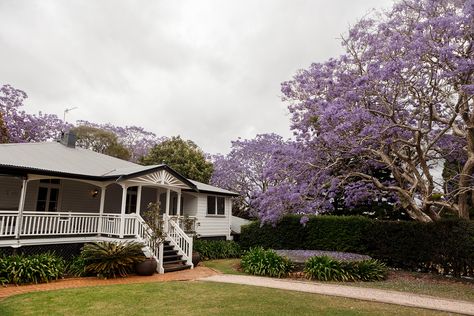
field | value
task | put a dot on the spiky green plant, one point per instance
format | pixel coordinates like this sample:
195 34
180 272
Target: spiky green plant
324 268
371 270
20 269
112 259
259 261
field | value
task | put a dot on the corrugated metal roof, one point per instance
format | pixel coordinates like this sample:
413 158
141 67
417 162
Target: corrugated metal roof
57 158
210 188
53 156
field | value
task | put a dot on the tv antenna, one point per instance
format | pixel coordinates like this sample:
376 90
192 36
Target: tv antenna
66 111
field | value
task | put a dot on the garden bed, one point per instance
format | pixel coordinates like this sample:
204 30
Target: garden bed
300 256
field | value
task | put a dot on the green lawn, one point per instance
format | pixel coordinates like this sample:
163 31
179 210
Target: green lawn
410 282
191 298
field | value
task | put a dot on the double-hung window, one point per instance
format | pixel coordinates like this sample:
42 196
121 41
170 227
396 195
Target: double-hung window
215 205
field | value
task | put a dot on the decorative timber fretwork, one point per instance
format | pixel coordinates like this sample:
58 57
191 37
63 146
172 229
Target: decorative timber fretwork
161 177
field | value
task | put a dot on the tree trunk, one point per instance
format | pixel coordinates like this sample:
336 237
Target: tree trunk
465 180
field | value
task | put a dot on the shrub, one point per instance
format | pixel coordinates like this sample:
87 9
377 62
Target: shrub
40 268
370 270
333 233
445 246
112 259
259 261
324 268
77 266
217 249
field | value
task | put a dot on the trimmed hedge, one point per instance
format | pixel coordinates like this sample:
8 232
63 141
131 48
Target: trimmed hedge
446 246
216 249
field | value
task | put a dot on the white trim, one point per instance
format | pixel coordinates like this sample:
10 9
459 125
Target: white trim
122 209
21 208
161 178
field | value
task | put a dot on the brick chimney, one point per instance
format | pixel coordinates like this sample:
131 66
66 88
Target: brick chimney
68 139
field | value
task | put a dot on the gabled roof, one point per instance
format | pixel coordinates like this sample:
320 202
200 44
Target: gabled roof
55 159
206 188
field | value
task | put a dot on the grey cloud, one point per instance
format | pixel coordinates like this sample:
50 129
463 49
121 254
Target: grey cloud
207 70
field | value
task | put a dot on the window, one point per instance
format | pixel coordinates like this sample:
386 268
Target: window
215 205
48 195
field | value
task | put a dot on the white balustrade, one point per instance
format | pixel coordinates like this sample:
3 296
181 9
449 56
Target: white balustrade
69 224
8 221
179 239
61 223
64 224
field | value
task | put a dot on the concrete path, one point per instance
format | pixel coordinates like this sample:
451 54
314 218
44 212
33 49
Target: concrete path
374 295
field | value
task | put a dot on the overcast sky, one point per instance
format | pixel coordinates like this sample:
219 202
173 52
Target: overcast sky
209 71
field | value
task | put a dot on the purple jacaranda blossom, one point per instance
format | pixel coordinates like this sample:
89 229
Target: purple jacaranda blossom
400 100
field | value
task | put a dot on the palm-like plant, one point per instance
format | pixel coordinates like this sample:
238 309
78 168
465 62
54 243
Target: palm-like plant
112 259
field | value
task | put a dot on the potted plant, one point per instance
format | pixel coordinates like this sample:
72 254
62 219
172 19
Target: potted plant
157 236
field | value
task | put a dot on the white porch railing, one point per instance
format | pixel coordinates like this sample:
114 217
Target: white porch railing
47 224
179 239
144 233
68 224
65 223
8 222
187 223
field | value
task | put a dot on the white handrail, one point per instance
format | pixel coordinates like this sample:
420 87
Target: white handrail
145 234
180 240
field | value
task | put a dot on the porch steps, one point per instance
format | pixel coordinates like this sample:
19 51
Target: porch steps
171 260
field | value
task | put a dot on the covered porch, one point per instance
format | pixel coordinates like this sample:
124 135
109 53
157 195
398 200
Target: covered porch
40 206
45 209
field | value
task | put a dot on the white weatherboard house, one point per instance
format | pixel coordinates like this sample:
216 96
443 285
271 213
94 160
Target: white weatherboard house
54 193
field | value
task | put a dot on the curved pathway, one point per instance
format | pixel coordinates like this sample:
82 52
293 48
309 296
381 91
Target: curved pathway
367 294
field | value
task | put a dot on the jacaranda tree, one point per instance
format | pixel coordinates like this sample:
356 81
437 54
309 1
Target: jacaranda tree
244 168
17 126
400 99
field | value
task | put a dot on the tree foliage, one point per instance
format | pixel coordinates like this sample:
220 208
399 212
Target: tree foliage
244 170
183 156
135 139
17 126
100 141
400 99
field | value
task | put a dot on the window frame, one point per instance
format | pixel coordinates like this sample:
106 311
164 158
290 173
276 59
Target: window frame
49 184
216 211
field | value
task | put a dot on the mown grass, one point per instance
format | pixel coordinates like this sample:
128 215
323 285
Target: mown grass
191 298
226 266
420 283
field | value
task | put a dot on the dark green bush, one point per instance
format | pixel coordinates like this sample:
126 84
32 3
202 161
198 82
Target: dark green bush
112 259
77 266
19 269
446 246
369 270
324 268
259 261
217 249
333 233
